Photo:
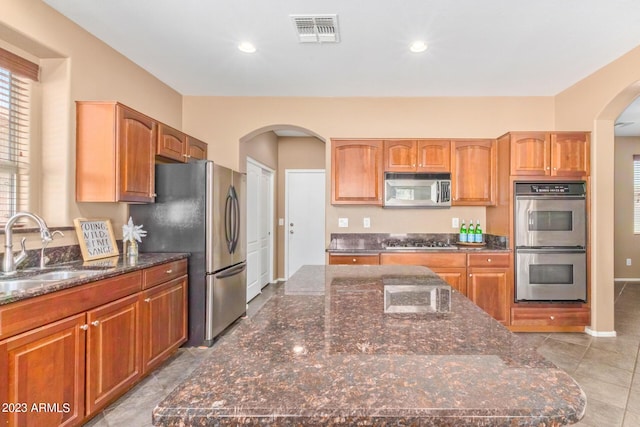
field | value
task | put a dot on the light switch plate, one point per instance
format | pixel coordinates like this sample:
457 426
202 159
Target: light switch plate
366 222
280 221
343 222
455 222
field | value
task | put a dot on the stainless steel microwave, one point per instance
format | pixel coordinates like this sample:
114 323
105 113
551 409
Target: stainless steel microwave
417 190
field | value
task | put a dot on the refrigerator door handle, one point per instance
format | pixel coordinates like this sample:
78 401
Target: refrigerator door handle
236 231
228 230
232 271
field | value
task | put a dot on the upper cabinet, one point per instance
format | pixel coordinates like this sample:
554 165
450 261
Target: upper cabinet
356 172
473 172
175 145
562 154
423 155
115 150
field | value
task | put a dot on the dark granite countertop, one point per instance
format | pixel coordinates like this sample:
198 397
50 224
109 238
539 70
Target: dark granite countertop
322 351
106 267
372 243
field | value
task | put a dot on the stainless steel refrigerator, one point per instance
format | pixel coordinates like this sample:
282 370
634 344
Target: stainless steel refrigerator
200 209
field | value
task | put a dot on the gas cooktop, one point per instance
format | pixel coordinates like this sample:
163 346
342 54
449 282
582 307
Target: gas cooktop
413 244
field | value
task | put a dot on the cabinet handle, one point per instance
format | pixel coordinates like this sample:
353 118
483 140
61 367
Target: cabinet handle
84 327
95 322
169 271
147 300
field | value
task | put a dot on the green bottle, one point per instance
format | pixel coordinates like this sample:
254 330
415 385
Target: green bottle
478 233
471 235
463 233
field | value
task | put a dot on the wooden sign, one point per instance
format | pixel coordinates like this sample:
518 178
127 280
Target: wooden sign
96 238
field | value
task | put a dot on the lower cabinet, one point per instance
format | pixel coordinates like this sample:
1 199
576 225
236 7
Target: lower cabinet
488 289
65 371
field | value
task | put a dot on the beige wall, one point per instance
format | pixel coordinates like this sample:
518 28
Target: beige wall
626 242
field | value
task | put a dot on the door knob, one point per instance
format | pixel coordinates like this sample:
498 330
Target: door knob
291 224
291 231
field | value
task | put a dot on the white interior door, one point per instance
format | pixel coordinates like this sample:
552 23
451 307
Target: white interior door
259 227
304 216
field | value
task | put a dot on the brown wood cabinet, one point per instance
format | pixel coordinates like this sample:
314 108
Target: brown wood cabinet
473 172
113 351
423 155
115 150
175 145
45 365
79 349
356 172
561 154
354 259
489 283
533 317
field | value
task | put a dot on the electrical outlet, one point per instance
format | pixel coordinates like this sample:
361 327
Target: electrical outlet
628 261
343 222
366 222
455 222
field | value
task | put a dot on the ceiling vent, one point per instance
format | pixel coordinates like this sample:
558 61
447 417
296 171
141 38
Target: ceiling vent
316 28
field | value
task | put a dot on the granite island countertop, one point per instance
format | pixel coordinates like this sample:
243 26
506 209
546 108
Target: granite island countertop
322 351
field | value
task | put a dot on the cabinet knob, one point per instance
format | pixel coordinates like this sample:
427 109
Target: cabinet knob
548 168
169 271
186 156
552 317
84 327
95 322
154 195
488 259
354 260
147 300
470 274
555 169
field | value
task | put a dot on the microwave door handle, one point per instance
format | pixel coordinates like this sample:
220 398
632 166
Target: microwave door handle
437 191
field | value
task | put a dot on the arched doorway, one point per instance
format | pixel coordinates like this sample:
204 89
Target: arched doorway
277 148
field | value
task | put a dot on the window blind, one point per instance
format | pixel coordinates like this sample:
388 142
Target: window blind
15 94
636 193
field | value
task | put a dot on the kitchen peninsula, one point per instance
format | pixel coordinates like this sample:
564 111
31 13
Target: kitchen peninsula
329 349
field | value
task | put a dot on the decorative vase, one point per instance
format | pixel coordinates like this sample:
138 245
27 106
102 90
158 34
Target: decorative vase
132 249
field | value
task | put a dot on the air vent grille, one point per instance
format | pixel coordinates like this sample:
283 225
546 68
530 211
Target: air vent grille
316 28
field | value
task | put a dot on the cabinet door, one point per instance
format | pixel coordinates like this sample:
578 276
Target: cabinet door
488 288
172 143
433 155
44 366
473 172
570 154
356 172
399 156
164 321
136 145
530 153
196 149
113 351
455 277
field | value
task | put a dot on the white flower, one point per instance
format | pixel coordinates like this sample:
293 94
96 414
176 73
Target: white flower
131 232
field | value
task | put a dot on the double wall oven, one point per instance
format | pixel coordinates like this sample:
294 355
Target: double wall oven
550 223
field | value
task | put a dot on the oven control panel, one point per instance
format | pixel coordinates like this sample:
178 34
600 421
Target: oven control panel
551 188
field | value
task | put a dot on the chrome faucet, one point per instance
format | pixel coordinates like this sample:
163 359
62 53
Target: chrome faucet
9 262
44 259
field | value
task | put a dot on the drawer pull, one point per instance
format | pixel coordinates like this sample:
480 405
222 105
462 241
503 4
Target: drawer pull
354 260
488 259
552 317
169 271
84 327
147 300
95 322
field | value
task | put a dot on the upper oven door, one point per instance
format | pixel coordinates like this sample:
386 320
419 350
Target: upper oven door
550 221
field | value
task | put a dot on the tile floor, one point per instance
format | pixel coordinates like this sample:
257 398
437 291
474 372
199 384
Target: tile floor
604 367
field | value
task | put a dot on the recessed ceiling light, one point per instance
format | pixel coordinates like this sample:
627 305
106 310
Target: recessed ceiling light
418 46
246 47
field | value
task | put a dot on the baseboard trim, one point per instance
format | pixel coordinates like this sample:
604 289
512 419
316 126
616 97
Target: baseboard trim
593 333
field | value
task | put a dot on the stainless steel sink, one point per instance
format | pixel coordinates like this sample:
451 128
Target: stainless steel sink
65 274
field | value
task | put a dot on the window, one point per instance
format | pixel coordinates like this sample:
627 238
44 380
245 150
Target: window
16 75
636 193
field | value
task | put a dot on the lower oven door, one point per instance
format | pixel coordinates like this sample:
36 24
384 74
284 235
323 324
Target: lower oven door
551 275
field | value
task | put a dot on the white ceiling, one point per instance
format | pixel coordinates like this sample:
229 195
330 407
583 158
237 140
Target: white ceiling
476 48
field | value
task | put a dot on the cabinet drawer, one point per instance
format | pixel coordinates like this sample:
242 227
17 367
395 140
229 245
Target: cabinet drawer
488 260
354 259
162 273
431 260
38 311
548 316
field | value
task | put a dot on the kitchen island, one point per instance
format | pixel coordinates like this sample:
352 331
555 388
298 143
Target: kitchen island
335 347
